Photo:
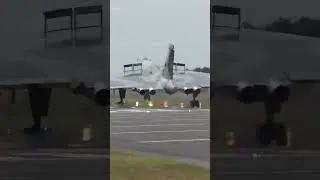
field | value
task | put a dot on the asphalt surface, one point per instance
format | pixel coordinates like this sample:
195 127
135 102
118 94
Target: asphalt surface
55 164
253 164
182 134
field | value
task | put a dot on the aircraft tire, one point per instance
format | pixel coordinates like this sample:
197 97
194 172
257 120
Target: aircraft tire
281 137
197 104
192 104
264 135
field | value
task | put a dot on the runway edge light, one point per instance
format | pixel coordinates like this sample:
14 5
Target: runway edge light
181 105
137 103
230 139
289 138
150 104
165 104
86 134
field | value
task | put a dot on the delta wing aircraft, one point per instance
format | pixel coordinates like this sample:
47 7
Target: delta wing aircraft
147 78
254 66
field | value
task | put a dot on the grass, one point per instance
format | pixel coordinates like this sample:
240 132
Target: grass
158 100
301 114
131 166
68 115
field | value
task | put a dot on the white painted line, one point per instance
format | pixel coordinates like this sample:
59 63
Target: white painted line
158 120
160 125
269 172
15 178
261 156
158 110
65 155
150 132
8 158
174 140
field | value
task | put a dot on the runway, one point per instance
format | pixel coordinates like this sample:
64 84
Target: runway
253 164
54 164
183 134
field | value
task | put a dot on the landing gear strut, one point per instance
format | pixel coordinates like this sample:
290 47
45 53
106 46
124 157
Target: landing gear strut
39 99
194 103
122 94
270 130
147 97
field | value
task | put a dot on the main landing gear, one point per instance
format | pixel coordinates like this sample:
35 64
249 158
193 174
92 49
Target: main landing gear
195 103
271 131
147 97
122 94
39 99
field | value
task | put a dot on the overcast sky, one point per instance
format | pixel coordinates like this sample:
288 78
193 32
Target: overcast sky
262 11
145 27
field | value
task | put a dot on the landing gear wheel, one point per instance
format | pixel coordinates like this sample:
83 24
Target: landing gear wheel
264 135
272 131
194 104
280 134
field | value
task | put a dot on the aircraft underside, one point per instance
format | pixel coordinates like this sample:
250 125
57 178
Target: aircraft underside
270 130
194 103
40 97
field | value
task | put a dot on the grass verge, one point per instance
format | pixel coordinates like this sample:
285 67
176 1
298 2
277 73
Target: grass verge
145 167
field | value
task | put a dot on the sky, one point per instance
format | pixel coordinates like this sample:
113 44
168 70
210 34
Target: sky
261 12
146 27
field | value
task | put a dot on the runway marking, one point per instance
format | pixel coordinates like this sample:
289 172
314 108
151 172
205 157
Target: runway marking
252 155
65 155
270 172
160 125
159 120
133 110
11 158
150 132
15 178
174 140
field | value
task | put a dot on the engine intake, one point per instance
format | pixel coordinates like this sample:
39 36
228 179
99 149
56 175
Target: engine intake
101 97
147 91
192 90
259 93
281 94
101 94
98 93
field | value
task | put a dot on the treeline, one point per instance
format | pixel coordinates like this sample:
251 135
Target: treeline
303 26
203 69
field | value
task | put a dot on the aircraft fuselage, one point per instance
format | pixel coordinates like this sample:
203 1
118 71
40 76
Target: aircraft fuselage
168 86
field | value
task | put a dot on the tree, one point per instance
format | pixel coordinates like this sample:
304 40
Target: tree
302 26
203 69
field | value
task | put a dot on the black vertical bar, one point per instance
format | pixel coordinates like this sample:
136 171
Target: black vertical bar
71 28
213 18
45 30
239 24
75 24
101 25
107 29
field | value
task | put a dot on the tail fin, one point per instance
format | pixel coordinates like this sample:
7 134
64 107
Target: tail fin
168 66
